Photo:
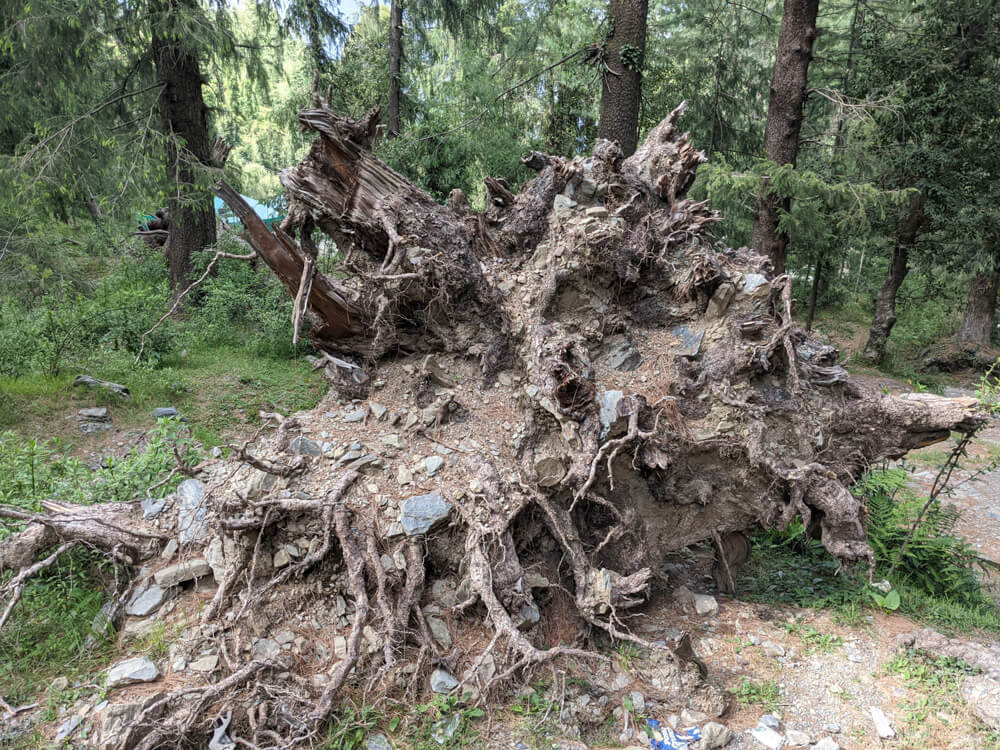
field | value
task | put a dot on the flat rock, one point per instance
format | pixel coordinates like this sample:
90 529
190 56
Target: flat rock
93 414
146 601
151 507
164 411
826 744
67 728
173 575
265 648
303 446
205 663
767 737
439 629
752 282
882 725
608 403
442 681
191 524
378 742
549 470
357 416
421 513
689 341
433 464
982 693
132 671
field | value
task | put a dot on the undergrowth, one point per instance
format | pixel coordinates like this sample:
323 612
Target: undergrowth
937 578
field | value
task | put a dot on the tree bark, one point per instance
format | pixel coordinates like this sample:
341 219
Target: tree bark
814 292
621 91
189 148
980 312
784 122
885 302
395 66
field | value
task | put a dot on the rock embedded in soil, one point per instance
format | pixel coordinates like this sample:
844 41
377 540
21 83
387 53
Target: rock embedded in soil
303 446
705 604
442 681
191 512
164 411
131 672
882 725
795 738
826 744
713 736
982 693
146 601
174 575
421 513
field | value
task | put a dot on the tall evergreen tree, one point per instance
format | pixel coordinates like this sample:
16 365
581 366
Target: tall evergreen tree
621 89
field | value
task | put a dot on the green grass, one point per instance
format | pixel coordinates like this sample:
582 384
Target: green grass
218 390
766 693
47 633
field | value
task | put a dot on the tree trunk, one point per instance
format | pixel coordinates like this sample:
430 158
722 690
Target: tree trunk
395 66
814 293
621 91
189 148
784 122
885 302
979 320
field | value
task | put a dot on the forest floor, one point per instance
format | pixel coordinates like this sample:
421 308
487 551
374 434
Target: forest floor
819 671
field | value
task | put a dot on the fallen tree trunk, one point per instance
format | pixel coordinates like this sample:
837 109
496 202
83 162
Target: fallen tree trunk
628 388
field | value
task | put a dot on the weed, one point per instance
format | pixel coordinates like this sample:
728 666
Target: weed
766 693
814 640
351 726
444 722
627 652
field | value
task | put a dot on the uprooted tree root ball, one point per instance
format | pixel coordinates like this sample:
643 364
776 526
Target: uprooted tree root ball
539 402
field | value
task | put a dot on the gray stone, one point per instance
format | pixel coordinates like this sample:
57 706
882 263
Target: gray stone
442 681
132 671
597 212
146 601
58 685
284 637
439 629
434 371
67 728
752 282
705 604
265 648
608 403
378 742
563 207
340 646
421 513
773 649
191 523
689 343
433 464
795 738
181 572
303 446
882 725
767 737
282 558
720 301
826 744
134 629
151 507
378 411
771 721
170 549
215 556
530 614
367 461
638 701
93 414
205 663
713 736
164 411
259 484
620 352
89 428
357 416
982 693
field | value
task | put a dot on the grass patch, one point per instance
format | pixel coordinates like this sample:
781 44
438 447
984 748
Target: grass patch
218 390
47 633
935 702
937 580
766 693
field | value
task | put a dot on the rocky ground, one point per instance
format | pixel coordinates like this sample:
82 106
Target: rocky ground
783 677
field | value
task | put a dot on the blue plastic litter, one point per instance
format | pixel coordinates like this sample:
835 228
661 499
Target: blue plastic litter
664 738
